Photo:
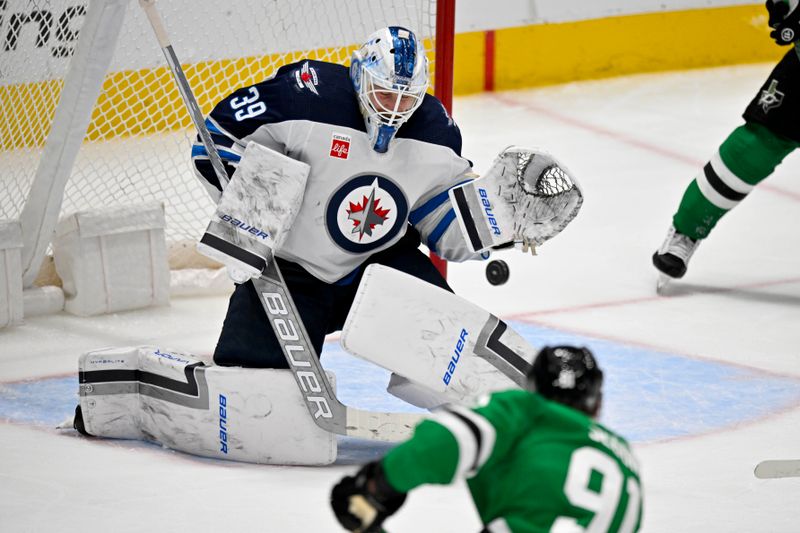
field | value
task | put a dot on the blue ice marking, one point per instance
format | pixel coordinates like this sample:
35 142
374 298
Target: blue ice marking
649 395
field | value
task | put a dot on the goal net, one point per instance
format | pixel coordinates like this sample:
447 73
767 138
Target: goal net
132 143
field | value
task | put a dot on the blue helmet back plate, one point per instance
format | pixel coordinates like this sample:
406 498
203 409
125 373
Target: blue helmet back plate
405 52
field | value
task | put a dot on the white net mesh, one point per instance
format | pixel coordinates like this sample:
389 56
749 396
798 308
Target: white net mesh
137 147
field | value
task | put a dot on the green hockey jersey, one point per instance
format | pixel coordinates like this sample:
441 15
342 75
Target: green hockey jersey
532 465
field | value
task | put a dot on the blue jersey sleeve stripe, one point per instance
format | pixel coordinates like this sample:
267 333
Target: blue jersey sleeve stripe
198 150
430 206
212 127
230 156
441 227
220 135
219 139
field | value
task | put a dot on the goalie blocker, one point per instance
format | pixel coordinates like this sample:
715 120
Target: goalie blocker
255 211
526 197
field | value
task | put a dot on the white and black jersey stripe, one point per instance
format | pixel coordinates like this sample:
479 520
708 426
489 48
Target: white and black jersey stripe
473 433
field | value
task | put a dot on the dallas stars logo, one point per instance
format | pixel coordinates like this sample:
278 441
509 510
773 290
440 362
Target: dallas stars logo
367 214
770 97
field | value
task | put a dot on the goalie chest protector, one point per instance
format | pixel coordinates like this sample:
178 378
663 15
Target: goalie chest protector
357 201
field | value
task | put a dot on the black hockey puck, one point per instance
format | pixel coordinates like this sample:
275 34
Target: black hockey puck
497 272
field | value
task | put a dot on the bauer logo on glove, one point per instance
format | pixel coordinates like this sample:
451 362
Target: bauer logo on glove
526 197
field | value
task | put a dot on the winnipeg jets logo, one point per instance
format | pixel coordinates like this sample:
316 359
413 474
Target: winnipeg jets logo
306 77
366 212
770 97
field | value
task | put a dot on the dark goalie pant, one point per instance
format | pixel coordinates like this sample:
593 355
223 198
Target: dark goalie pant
247 338
749 154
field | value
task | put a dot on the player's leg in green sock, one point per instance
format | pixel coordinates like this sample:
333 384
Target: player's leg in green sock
747 156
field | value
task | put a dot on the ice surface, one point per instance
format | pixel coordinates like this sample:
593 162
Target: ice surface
704 381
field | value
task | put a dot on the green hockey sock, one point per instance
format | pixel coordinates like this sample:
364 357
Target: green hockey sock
746 157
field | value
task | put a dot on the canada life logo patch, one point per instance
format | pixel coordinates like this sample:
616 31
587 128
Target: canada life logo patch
366 212
340 146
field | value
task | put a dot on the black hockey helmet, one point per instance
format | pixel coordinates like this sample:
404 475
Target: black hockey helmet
568 375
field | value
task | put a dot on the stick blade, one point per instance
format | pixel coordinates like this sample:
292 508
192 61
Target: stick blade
386 427
774 469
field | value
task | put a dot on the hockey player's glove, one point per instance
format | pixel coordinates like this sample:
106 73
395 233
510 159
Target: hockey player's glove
784 19
362 502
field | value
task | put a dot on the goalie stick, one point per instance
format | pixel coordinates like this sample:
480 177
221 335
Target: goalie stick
320 398
777 468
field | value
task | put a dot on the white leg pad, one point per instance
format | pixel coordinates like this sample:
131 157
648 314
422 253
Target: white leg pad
433 338
174 399
110 408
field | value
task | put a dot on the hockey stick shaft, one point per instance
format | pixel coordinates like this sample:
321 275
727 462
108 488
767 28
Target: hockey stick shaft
149 7
320 398
326 409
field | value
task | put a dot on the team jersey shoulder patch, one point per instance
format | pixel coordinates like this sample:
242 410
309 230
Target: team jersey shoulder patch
366 212
306 78
770 97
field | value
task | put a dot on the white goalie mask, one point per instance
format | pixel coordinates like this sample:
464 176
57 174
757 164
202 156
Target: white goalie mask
390 75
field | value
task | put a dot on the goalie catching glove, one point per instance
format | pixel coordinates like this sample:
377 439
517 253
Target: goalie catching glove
526 198
362 502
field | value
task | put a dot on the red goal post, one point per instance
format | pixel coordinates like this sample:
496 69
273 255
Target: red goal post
92 119
443 82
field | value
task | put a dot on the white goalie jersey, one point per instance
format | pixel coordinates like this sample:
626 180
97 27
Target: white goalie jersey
357 201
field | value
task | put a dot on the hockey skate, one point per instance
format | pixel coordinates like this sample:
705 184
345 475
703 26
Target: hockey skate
672 258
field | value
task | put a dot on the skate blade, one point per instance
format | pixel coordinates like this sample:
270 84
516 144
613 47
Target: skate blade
67 424
662 284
